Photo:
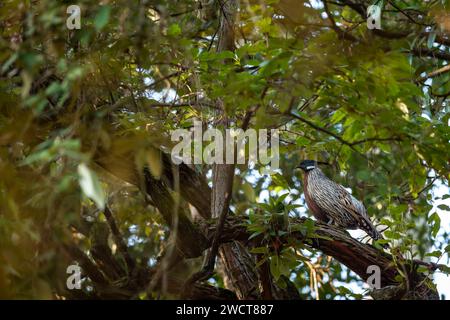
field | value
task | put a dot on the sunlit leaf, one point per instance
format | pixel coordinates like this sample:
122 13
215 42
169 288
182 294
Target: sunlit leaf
90 185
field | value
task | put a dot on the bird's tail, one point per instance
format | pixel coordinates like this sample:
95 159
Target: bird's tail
368 227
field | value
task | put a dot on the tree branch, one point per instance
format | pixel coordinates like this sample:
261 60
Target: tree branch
434 73
119 240
341 33
340 245
421 52
188 239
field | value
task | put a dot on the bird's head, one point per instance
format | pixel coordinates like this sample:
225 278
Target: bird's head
307 165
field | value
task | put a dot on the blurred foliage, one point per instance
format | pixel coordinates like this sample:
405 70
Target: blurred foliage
138 69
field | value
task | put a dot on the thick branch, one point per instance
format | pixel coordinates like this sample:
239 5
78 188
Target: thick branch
189 240
195 189
355 255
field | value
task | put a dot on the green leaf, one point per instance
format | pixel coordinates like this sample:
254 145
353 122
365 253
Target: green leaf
302 141
338 116
430 40
31 60
279 265
264 24
275 267
282 197
343 290
9 62
262 250
436 254
436 220
249 191
102 17
392 235
444 207
422 269
279 180
445 269
253 235
174 30
90 185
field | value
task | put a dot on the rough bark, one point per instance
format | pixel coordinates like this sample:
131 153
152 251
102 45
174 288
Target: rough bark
194 186
238 263
188 239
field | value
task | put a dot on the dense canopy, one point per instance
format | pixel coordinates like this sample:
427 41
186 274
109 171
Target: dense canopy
87 179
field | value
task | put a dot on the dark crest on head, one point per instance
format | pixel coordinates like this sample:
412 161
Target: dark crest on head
307 165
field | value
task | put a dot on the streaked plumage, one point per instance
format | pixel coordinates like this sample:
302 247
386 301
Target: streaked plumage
331 203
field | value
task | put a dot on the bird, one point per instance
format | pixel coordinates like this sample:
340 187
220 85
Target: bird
331 203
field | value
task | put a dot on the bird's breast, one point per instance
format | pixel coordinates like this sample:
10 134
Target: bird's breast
312 205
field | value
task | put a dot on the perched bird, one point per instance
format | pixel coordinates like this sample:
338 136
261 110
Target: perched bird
332 204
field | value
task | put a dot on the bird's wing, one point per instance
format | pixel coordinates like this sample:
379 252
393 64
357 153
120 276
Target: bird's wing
339 205
333 199
356 209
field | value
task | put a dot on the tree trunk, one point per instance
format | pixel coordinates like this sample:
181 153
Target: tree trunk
237 262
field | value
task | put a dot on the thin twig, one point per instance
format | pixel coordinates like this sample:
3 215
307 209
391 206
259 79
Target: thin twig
375 139
434 73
